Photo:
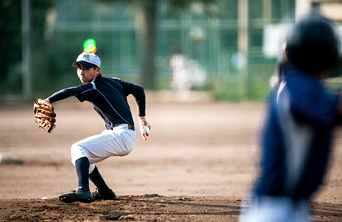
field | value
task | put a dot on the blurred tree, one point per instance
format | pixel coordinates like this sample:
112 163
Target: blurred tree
11 40
149 34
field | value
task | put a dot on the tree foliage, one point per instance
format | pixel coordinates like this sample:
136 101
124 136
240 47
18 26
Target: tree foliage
11 40
10 35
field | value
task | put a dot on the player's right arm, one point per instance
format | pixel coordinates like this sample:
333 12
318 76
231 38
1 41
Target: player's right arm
65 93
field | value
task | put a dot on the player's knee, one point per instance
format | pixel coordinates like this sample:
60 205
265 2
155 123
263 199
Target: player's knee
127 149
129 144
125 152
77 152
91 168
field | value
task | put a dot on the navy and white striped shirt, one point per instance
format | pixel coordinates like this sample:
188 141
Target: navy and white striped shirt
109 98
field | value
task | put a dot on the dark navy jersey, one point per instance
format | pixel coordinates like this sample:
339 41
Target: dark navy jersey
297 136
109 98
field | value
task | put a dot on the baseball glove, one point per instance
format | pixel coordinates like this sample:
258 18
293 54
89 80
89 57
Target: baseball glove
44 114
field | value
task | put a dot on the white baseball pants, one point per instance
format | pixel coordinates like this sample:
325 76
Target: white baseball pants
280 209
117 142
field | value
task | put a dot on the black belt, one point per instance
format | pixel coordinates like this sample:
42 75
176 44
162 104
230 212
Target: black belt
131 127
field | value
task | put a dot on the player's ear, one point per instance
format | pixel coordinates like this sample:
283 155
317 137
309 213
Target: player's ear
97 70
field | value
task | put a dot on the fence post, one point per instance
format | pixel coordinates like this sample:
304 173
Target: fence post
243 43
27 48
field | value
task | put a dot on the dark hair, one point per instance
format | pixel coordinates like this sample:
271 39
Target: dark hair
313 45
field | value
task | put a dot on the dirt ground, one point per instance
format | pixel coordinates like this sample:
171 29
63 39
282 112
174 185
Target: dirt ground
196 165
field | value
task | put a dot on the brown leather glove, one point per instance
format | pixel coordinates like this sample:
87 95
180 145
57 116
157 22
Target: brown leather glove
44 114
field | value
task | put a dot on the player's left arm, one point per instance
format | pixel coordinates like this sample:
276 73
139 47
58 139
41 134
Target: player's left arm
139 94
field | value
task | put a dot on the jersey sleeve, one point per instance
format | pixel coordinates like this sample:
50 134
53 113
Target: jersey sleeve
321 111
139 94
67 92
312 102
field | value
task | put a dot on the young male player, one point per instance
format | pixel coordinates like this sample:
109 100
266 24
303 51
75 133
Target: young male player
108 96
299 126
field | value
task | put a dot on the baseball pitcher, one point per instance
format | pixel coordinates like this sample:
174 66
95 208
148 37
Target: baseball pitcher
109 98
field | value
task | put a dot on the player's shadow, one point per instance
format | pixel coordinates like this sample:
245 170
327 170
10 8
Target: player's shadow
327 210
195 208
232 209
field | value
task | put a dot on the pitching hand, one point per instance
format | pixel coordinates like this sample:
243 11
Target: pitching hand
143 122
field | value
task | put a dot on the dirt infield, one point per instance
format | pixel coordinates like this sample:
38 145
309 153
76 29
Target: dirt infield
196 165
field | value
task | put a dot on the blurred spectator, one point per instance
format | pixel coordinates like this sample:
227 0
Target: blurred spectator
198 76
186 74
180 72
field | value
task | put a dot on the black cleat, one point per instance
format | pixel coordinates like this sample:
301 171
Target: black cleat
77 195
99 195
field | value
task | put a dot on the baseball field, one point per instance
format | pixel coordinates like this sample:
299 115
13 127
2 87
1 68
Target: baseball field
196 165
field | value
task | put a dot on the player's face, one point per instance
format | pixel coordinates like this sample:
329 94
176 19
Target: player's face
87 75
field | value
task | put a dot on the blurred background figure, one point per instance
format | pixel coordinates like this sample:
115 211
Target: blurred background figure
187 74
301 117
179 68
198 75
